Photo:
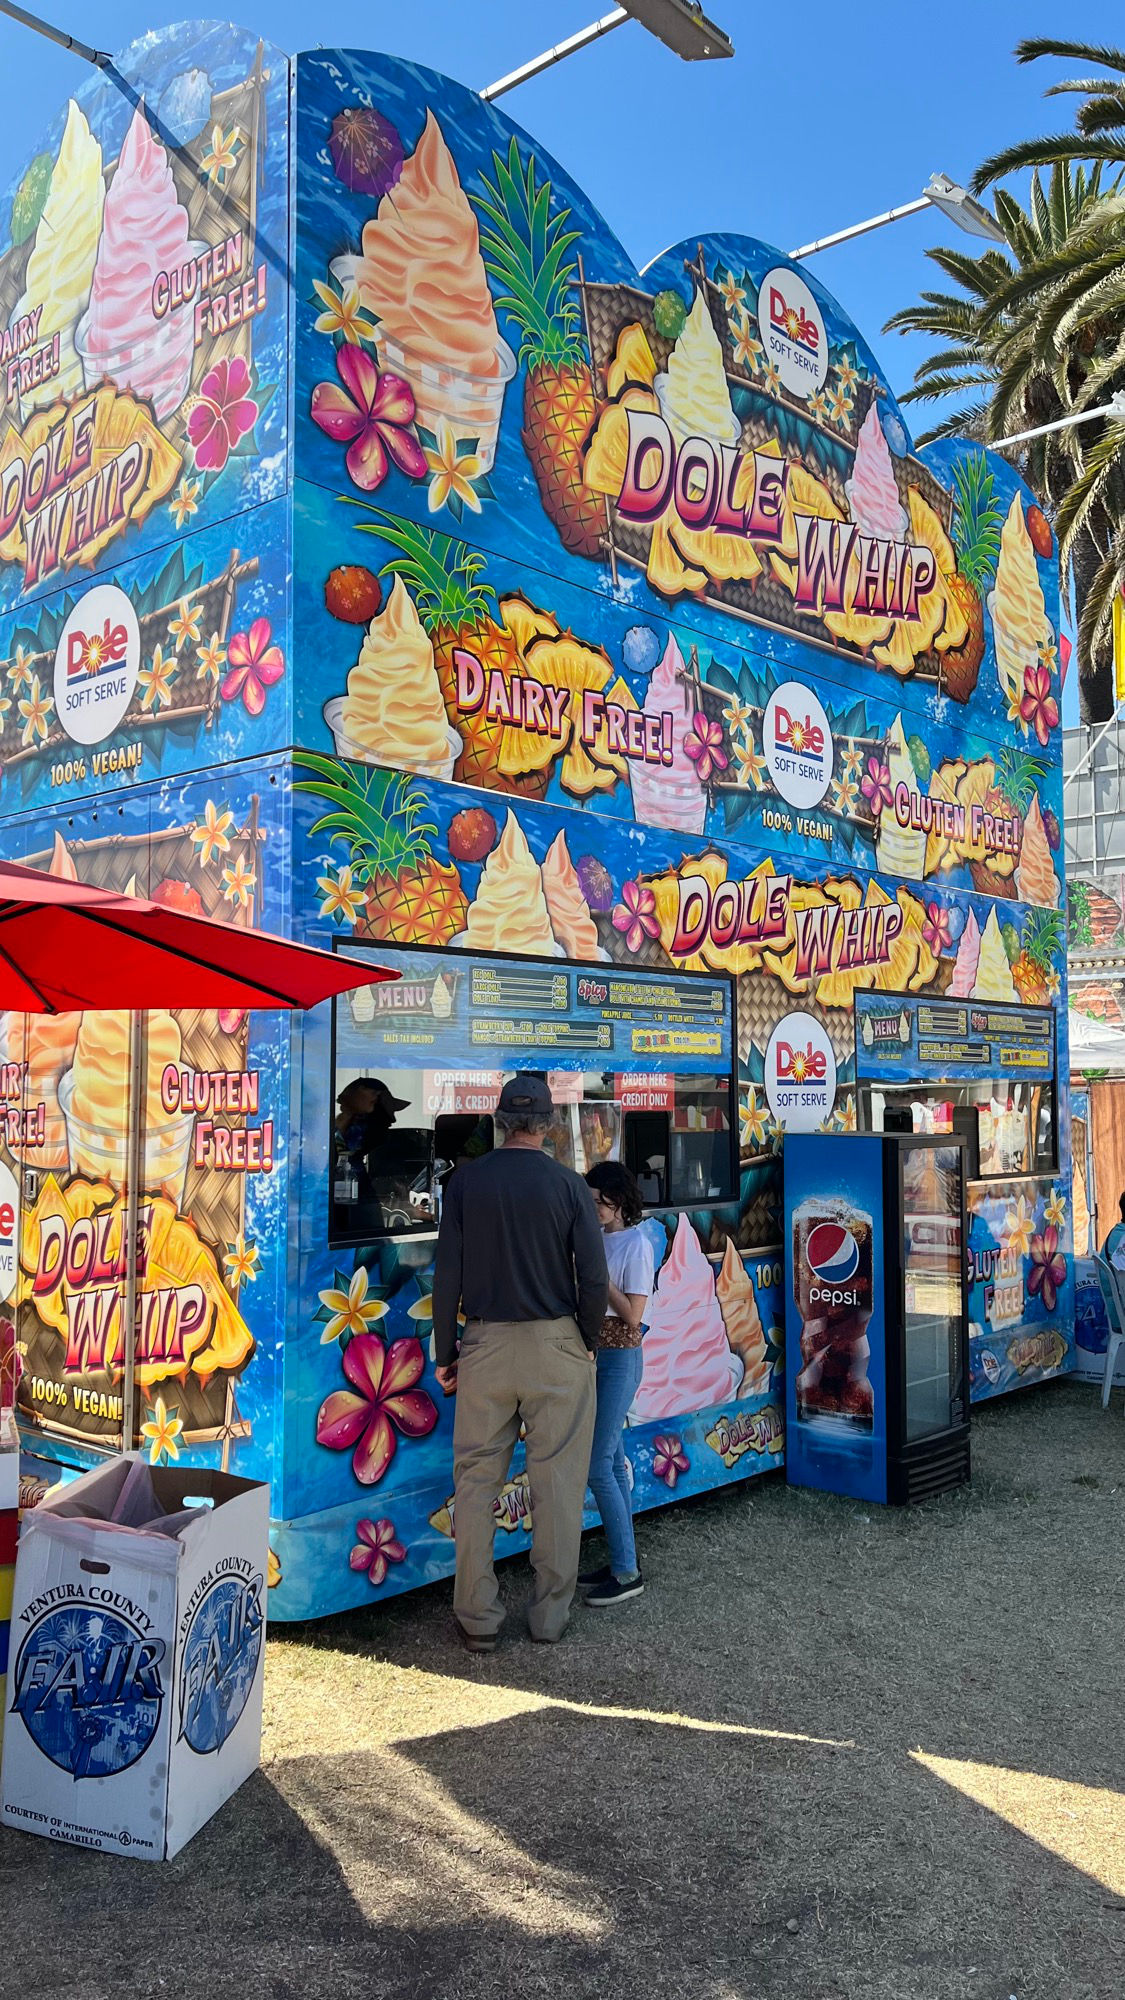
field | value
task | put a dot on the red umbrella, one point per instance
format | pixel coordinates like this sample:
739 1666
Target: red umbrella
66 945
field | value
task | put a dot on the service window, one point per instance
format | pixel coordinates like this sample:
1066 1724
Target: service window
639 1068
916 1061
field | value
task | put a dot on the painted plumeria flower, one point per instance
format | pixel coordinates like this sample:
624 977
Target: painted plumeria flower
1038 708
212 836
210 659
223 414
635 915
1019 1223
349 1309
817 406
751 766
751 1122
937 929
739 714
222 154
185 501
255 664
853 758
20 669
1048 1268
382 1405
342 896
772 376
840 407
242 1262
184 627
846 1115
733 294
343 313
747 348
162 1432
156 679
36 709
373 414
1055 1209
704 745
452 472
876 785
238 882
845 795
378 1546
669 1459
846 375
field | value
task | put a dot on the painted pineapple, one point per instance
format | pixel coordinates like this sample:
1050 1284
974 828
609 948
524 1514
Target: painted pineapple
1031 971
457 608
409 897
1009 793
976 537
525 252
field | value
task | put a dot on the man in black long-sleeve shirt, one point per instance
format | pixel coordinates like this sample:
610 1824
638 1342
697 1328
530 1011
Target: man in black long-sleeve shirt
520 1254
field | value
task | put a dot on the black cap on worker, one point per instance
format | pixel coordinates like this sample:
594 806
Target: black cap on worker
527 1092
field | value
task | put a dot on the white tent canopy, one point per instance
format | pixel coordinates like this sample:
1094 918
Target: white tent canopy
1095 1045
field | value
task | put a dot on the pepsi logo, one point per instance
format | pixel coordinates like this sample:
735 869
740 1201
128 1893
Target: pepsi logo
832 1253
798 746
791 329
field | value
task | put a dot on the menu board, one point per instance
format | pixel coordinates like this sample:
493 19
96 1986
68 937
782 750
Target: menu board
453 1010
901 1037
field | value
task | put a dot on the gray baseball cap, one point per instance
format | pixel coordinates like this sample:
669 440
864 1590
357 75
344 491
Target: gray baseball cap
527 1092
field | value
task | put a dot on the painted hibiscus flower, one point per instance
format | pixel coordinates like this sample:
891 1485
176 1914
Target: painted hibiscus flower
1039 709
635 915
1048 1268
704 745
378 1546
382 1404
373 414
669 1459
254 663
224 413
876 785
936 930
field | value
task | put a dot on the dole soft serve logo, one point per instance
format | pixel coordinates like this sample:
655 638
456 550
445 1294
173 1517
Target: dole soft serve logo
798 746
97 663
791 326
832 1253
800 1073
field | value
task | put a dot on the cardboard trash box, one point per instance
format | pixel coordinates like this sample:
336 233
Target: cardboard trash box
134 1700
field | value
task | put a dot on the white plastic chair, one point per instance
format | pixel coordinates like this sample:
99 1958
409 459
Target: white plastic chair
1112 1286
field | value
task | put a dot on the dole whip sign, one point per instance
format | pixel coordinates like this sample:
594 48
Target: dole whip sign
74 477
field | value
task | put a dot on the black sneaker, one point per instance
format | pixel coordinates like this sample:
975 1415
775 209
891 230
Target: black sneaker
591 1578
615 1592
477 1642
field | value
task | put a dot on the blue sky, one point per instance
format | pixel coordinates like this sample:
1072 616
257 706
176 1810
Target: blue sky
826 115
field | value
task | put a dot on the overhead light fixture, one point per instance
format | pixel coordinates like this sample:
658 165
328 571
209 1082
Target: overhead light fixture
954 201
681 25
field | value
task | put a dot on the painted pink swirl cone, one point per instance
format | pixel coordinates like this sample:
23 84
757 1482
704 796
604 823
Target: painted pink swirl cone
144 232
688 1364
670 794
871 490
965 964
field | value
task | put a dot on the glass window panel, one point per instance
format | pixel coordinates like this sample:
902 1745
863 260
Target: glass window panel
933 1288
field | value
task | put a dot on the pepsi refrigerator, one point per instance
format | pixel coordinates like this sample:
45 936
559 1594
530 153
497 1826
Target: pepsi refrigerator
877 1360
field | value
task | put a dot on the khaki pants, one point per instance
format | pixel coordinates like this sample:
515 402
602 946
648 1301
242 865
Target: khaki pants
538 1370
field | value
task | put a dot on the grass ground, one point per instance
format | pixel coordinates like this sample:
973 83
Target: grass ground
834 1753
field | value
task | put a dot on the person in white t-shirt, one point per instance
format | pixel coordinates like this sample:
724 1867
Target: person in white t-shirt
620 1361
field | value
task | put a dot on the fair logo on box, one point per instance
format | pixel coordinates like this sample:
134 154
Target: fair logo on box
800 1073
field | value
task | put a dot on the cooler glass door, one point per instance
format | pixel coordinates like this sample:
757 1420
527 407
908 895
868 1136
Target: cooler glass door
933 1256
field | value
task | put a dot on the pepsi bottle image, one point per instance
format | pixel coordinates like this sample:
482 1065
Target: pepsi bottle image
832 1291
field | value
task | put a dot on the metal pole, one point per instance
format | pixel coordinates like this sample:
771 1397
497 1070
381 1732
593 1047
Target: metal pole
65 41
1081 766
863 228
1114 409
551 56
138 1094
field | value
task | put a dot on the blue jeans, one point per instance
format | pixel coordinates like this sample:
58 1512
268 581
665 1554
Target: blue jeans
619 1376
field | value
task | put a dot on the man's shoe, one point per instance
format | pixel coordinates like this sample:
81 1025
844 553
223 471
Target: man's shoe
545 1638
477 1642
591 1578
615 1592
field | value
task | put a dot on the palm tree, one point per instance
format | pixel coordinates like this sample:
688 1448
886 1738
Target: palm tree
1011 361
1078 298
